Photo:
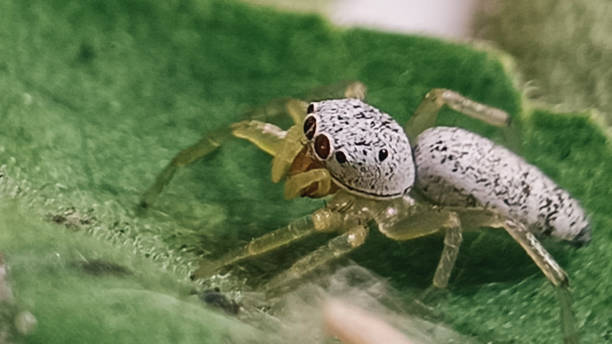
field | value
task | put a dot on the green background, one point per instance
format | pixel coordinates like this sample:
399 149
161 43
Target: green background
97 96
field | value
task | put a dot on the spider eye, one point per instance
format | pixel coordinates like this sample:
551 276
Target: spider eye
310 109
340 157
310 126
321 146
382 155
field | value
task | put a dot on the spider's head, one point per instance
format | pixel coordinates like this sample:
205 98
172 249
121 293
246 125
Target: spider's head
365 151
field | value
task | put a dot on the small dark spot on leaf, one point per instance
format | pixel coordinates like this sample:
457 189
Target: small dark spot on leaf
86 53
98 267
214 298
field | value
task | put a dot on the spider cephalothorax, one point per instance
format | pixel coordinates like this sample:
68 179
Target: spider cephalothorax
365 150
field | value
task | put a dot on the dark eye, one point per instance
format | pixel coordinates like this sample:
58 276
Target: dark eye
340 157
321 146
310 126
310 109
382 155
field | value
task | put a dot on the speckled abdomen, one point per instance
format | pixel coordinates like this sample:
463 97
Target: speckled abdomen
457 167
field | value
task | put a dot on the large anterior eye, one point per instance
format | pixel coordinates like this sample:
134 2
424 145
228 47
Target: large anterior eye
321 146
310 126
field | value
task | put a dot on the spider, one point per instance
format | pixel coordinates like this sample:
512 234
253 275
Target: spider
410 182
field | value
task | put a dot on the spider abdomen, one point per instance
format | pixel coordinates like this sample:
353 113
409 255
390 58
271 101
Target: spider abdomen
460 168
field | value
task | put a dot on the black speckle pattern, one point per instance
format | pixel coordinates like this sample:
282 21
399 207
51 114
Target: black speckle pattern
457 167
360 132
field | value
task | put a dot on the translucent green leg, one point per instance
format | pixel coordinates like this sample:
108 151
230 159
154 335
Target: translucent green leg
568 320
426 220
452 242
553 272
296 109
296 230
322 220
344 89
427 112
278 108
334 249
205 146
266 136
292 146
301 181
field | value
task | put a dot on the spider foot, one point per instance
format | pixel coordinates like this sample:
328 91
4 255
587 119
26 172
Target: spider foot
426 302
433 295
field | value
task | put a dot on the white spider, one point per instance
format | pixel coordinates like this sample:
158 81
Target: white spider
410 182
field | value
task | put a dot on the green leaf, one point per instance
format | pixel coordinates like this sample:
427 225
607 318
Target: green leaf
96 97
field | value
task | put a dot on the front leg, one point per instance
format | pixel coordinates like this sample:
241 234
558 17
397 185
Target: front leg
343 213
268 137
206 145
322 220
284 146
334 249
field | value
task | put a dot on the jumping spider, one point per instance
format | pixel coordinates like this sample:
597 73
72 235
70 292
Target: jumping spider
411 182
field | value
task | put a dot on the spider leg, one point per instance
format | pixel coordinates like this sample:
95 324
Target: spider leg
452 241
343 89
277 109
336 247
553 272
427 112
476 217
268 137
425 219
284 146
296 184
200 149
408 222
346 89
473 218
322 220
547 264
283 159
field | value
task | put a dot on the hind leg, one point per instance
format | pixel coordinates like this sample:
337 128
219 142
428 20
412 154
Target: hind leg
553 272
